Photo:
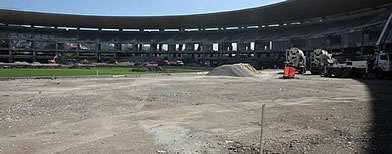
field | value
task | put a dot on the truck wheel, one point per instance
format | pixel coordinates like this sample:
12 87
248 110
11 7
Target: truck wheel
300 71
338 73
347 73
358 74
379 74
315 72
390 76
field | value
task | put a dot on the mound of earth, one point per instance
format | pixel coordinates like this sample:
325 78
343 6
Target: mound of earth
150 69
237 70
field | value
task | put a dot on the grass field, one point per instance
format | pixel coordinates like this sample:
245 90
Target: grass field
19 73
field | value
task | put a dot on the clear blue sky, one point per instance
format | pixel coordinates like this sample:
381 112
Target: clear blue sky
132 7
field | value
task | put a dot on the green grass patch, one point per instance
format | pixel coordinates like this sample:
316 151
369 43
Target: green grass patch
69 72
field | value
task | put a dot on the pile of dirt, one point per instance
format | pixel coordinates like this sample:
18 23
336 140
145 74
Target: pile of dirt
238 70
150 69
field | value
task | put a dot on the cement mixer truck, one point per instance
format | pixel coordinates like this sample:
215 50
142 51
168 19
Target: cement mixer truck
318 59
296 58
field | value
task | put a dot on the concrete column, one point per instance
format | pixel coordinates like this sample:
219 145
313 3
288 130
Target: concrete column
342 42
77 49
140 47
362 42
32 47
189 47
201 47
97 48
153 47
171 47
56 48
220 58
261 46
9 48
207 47
242 47
115 55
181 47
160 47
118 46
77 42
223 47
34 56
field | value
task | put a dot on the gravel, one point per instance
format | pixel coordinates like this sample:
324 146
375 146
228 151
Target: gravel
189 114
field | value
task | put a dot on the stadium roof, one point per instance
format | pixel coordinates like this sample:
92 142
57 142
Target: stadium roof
291 10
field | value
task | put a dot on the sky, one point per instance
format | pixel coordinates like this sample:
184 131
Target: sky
132 7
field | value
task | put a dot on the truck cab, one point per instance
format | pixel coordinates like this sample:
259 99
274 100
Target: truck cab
383 65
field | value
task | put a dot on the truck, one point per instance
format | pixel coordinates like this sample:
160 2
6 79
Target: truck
347 68
353 67
296 58
383 65
379 63
318 58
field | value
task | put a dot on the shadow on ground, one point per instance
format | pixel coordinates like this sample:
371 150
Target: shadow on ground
381 132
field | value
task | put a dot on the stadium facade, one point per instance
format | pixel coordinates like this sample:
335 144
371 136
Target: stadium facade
259 34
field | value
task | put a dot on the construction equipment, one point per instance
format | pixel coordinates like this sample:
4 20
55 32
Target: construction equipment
318 58
382 64
354 67
296 58
345 69
379 63
53 61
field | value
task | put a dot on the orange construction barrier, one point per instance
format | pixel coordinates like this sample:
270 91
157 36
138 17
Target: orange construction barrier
289 72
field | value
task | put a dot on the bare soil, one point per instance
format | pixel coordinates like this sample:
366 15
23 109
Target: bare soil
187 114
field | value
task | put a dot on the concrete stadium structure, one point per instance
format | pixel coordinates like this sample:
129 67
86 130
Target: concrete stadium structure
251 35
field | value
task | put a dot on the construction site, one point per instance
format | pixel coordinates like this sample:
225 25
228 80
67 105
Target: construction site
280 78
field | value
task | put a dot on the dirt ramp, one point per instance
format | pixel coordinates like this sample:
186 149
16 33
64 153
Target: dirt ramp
237 70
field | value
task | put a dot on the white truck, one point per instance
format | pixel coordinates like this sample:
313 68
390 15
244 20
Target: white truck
383 65
295 57
345 69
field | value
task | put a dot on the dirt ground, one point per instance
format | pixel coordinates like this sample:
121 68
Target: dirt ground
187 114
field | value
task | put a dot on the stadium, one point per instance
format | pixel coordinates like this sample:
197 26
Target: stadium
250 35
199 83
